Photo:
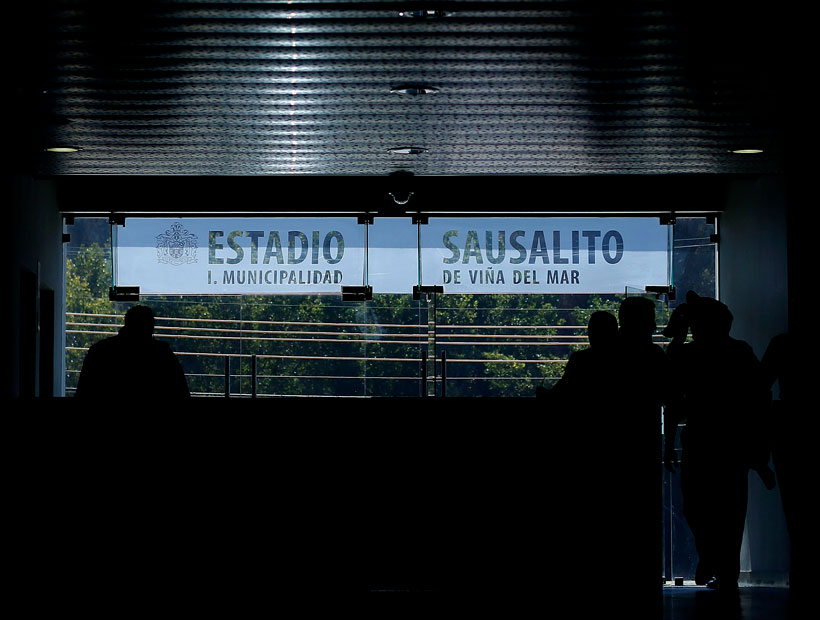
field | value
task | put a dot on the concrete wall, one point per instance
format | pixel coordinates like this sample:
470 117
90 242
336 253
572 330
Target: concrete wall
37 257
753 283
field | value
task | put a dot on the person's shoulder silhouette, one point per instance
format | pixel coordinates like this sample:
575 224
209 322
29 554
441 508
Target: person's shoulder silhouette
132 364
721 366
588 372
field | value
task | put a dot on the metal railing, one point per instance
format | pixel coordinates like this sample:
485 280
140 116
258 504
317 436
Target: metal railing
358 352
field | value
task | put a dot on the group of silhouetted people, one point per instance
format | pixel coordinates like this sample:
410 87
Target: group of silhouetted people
715 385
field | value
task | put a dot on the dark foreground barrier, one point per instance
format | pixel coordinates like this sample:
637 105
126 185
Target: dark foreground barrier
478 501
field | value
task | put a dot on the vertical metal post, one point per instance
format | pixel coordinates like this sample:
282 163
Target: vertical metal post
253 375
431 336
227 376
443 374
668 531
424 373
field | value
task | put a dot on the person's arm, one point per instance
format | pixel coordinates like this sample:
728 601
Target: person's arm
567 379
86 384
559 390
174 381
760 401
771 361
179 382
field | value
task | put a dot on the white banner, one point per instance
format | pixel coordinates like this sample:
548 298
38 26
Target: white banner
268 256
544 255
247 256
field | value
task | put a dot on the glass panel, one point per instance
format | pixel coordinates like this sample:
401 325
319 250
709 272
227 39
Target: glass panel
240 256
694 260
90 316
544 255
393 255
694 255
509 345
305 345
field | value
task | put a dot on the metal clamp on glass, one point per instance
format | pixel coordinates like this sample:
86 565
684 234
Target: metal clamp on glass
669 291
357 293
418 290
124 293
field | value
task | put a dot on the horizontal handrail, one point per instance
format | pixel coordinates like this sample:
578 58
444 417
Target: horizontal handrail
255 332
351 358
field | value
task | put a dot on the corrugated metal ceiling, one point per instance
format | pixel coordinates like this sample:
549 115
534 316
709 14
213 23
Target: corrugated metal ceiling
308 88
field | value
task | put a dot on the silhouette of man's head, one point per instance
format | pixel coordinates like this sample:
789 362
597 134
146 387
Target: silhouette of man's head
711 319
637 319
139 322
602 329
678 325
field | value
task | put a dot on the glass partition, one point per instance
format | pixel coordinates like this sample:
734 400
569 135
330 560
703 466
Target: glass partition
694 260
480 307
269 346
495 339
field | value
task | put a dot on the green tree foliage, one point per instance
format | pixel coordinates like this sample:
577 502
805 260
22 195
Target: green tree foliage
87 276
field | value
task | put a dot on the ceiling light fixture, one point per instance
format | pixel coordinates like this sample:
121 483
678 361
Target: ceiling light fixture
407 150
424 13
415 90
747 151
62 149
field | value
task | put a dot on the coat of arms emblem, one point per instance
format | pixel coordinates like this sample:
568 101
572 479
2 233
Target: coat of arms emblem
176 246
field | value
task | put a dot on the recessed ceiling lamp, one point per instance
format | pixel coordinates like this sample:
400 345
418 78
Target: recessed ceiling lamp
407 150
62 149
414 90
423 13
746 151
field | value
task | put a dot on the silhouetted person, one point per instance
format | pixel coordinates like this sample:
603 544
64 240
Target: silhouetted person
721 393
589 373
635 431
782 363
132 365
642 365
606 406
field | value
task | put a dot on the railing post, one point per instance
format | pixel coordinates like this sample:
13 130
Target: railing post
424 373
253 375
443 374
227 376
